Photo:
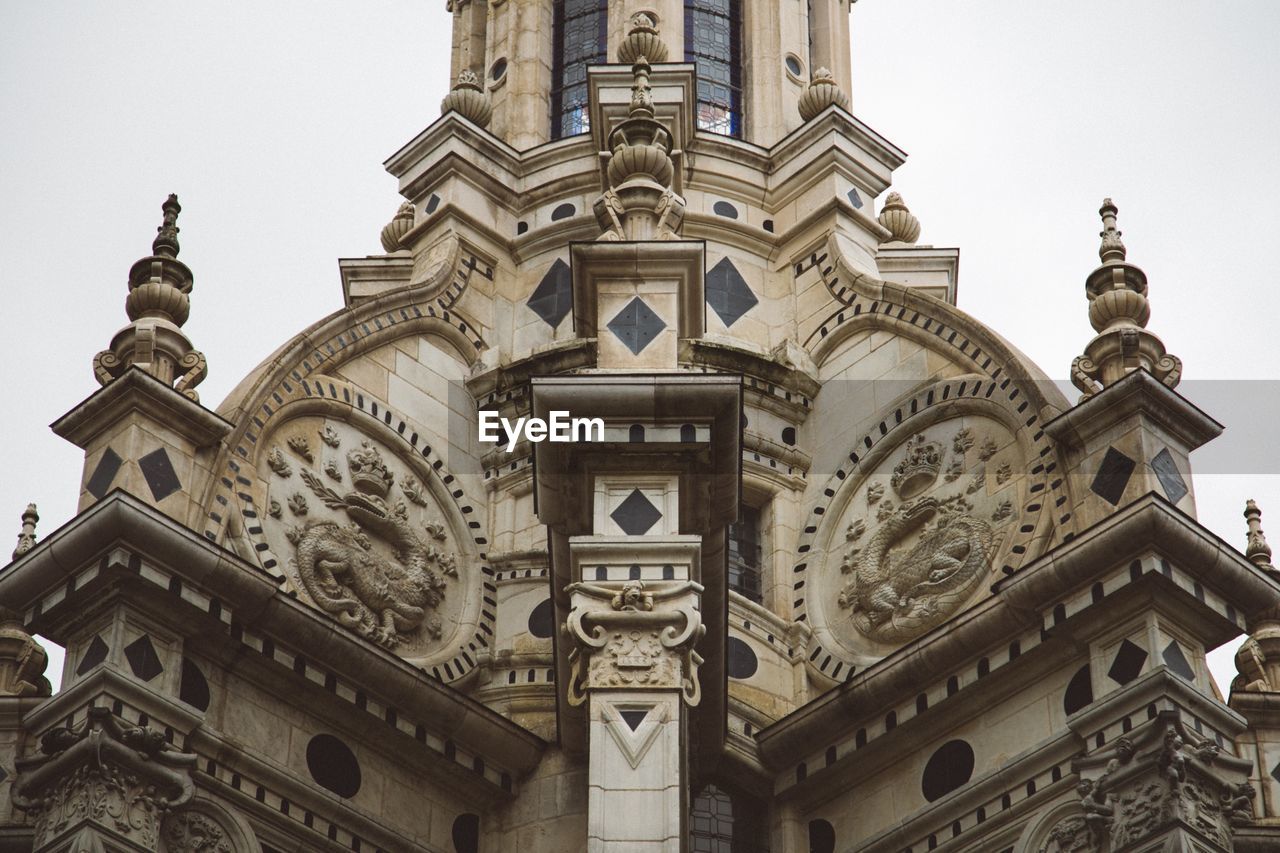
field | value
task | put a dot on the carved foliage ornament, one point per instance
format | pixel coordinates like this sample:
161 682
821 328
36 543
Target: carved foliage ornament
195 832
631 637
924 555
122 778
362 539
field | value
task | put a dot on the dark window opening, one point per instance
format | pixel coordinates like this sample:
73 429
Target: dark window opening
722 822
712 41
745 554
579 29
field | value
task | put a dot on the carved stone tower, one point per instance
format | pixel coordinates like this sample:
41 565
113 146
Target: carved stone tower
649 493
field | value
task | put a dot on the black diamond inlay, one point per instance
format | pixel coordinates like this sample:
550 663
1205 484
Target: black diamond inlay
728 293
636 325
553 297
636 515
1275 772
1128 663
1113 475
94 655
633 719
1177 661
108 467
432 204
1167 473
855 199
143 659
159 474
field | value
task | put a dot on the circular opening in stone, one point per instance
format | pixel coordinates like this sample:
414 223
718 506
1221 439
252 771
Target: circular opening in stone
794 67
333 765
949 768
498 69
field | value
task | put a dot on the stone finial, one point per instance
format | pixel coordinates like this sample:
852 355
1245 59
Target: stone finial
27 536
822 92
638 202
468 99
158 304
1119 311
397 227
1256 548
642 42
902 224
22 659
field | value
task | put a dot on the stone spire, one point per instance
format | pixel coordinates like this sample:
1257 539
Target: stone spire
158 304
638 202
822 92
27 536
468 99
1118 311
1257 548
902 224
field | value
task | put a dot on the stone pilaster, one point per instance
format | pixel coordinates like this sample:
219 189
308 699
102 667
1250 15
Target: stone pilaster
104 786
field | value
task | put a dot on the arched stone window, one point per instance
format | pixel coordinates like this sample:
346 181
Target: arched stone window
579 32
713 41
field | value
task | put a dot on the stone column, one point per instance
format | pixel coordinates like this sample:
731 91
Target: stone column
103 785
634 666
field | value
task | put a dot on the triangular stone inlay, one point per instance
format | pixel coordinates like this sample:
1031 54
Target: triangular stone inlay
634 718
634 742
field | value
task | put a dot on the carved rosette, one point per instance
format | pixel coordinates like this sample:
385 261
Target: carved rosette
919 535
1069 835
190 831
361 535
633 638
106 778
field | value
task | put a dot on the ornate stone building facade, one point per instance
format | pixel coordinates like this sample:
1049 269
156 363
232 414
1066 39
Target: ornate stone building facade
836 569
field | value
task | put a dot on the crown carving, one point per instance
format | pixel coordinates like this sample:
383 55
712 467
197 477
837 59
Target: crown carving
918 468
369 473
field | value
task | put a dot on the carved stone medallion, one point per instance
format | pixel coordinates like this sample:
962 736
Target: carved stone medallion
917 535
190 831
362 538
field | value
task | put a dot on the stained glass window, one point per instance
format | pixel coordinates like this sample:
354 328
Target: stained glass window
724 823
579 32
712 41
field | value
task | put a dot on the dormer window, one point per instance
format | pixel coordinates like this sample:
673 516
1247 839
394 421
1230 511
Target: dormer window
579 33
713 42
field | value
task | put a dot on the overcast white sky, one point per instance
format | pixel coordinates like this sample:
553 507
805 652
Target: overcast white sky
271 121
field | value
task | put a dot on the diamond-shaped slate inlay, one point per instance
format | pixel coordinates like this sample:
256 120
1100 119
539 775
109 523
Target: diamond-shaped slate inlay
636 325
159 474
1113 475
94 655
636 515
1128 662
1177 661
1167 473
108 467
553 297
143 659
728 293
1275 772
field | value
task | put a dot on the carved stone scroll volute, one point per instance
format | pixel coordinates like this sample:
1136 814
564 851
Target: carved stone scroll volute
106 782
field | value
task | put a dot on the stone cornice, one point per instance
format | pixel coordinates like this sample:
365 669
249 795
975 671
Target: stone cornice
1016 605
261 604
136 390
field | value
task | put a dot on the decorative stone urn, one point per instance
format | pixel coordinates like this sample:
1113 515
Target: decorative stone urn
822 92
